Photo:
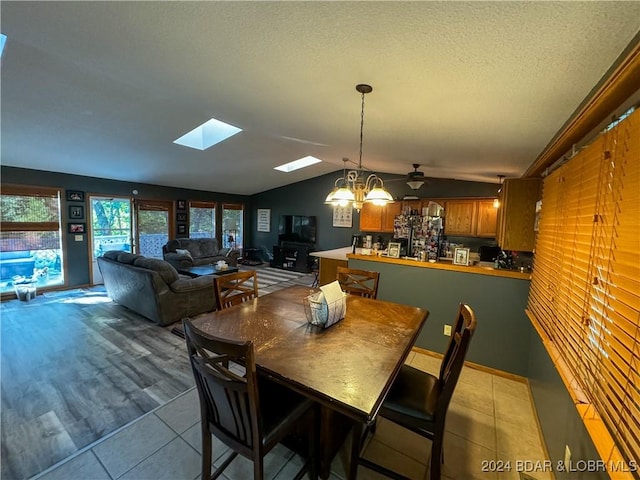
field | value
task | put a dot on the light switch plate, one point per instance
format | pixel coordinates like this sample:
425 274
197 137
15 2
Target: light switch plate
79 238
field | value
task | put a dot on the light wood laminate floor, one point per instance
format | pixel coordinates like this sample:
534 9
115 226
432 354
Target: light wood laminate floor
75 369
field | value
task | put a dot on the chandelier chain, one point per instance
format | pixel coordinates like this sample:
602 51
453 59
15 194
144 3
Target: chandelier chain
361 131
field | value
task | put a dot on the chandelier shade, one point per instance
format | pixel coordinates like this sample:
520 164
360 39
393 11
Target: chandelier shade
354 187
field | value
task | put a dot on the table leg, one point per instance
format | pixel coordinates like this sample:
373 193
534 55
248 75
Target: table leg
356 443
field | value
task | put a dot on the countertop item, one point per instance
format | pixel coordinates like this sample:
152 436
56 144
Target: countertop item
477 269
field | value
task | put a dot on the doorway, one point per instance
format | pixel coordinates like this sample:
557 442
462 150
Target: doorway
154 222
110 228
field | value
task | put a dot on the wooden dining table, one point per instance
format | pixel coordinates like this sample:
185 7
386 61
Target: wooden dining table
347 368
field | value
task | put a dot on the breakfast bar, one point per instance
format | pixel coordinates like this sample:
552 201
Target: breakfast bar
499 298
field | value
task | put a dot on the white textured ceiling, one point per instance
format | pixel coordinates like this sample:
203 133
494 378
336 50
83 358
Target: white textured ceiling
469 90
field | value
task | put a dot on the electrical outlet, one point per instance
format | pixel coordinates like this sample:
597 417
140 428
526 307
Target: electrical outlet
447 330
567 457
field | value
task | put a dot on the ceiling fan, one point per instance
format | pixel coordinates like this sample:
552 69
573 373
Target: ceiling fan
414 179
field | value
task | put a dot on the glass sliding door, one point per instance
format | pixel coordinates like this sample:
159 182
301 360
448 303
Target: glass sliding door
110 228
154 222
232 225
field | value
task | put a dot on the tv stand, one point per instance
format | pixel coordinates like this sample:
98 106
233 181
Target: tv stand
293 256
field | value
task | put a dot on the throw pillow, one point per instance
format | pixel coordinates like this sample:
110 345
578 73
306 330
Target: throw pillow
182 251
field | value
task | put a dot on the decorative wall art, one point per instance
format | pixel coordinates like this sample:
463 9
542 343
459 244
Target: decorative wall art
181 204
77 228
75 196
76 212
181 216
264 219
342 217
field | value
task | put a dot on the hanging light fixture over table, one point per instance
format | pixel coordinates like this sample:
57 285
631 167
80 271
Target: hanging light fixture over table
353 187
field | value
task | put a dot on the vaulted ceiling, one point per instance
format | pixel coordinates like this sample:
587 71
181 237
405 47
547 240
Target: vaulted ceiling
468 90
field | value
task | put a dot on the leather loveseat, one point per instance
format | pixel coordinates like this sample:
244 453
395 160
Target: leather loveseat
153 288
191 252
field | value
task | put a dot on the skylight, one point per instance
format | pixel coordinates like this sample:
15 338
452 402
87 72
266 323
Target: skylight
297 164
207 135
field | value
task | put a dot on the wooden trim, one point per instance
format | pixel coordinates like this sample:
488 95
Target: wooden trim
199 204
30 226
13 189
476 366
620 85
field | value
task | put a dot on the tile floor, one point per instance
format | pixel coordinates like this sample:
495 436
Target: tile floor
491 418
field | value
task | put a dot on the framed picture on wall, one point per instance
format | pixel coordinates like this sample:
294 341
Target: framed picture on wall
182 229
76 212
181 216
75 196
77 228
342 217
264 219
181 204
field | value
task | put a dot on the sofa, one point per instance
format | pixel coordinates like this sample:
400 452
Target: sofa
153 288
191 252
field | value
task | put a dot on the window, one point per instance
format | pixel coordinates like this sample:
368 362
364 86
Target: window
232 225
585 291
30 237
202 220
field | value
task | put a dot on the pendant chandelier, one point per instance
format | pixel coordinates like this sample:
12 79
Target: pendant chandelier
353 188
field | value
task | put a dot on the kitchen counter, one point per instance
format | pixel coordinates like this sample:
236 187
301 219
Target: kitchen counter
474 269
330 260
336 254
498 297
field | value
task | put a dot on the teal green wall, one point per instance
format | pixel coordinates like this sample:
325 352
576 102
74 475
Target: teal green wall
77 253
559 419
502 338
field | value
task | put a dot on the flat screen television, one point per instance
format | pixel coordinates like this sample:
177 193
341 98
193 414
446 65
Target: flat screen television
297 228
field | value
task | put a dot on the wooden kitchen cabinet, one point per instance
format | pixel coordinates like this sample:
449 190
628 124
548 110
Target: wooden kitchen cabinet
487 219
460 218
471 218
517 213
389 213
374 218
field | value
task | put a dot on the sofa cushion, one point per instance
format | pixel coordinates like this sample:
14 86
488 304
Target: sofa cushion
128 258
208 247
166 271
112 254
192 245
183 251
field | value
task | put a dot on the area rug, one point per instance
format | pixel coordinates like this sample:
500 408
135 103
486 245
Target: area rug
268 276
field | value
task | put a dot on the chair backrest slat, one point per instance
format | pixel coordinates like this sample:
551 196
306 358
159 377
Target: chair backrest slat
235 288
454 356
229 402
358 282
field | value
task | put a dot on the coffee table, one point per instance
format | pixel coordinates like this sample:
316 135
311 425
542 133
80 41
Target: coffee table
205 270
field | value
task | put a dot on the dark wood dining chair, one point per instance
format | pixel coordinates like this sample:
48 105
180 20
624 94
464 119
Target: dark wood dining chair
358 282
234 288
248 413
418 401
